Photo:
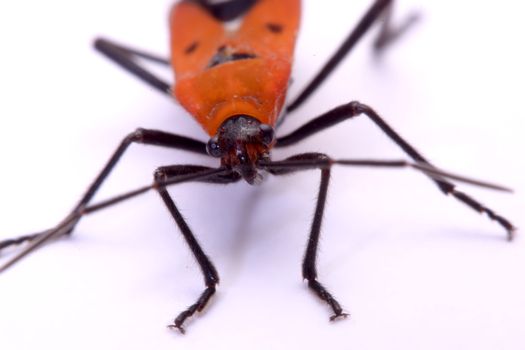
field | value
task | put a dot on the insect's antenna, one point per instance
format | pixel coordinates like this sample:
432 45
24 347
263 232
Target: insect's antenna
427 169
436 174
298 163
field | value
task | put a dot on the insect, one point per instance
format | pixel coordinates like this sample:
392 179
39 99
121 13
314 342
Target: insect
232 64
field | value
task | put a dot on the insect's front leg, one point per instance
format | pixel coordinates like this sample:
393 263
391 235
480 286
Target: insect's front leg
309 269
211 277
310 257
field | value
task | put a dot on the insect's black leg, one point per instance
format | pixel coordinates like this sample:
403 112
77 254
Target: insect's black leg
18 240
126 58
211 277
147 137
101 42
354 109
387 34
302 162
310 257
144 136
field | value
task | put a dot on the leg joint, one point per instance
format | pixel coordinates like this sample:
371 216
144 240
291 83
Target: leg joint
357 108
136 136
160 174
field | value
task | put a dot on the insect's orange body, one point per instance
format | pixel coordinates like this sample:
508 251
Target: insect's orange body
221 72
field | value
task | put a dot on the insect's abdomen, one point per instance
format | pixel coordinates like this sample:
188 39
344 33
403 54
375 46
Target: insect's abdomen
221 73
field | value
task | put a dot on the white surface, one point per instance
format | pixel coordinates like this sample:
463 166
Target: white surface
415 269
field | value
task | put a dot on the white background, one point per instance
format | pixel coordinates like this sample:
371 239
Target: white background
415 269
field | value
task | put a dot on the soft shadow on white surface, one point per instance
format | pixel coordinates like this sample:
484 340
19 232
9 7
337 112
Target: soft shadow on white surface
415 269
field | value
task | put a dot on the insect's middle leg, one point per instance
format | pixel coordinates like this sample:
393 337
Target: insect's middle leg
211 277
354 109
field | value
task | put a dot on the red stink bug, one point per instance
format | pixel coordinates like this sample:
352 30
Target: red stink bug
235 86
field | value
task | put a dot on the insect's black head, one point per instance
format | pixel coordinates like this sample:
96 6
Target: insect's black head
241 142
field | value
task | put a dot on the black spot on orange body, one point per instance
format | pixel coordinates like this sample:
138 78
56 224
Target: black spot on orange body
227 54
274 27
191 48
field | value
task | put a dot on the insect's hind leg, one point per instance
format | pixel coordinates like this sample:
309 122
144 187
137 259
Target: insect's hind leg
125 57
390 33
379 9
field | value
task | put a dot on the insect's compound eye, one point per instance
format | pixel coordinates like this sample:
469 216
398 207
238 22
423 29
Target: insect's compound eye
267 134
213 148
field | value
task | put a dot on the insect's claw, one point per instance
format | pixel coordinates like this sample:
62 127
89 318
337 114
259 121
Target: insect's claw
177 327
340 316
511 234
